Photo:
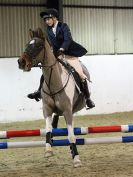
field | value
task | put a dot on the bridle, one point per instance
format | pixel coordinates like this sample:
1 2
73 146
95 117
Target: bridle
32 57
45 66
29 55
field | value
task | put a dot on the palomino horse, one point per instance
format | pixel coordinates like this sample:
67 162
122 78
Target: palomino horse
59 93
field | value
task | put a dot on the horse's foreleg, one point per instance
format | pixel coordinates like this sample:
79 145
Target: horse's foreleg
72 140
73 147
48 152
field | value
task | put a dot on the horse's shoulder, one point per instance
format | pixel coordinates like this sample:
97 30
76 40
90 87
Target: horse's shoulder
62 69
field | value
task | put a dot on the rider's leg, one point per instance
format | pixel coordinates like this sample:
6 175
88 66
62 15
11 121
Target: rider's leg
74 61
89 102
37 94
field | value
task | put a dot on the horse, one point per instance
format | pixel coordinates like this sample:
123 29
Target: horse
60 96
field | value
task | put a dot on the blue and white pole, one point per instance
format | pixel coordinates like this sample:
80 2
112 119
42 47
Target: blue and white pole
65 142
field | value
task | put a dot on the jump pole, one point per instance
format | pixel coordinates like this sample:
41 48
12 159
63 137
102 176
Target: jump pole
64 132
65 142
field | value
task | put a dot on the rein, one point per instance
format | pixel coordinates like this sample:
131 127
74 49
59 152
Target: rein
48 84
45 66
59 91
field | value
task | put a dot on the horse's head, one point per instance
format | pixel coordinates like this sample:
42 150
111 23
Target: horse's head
31 54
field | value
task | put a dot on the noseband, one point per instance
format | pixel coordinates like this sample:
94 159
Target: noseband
27 59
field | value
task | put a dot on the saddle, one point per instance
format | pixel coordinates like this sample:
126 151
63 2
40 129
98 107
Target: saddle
74 73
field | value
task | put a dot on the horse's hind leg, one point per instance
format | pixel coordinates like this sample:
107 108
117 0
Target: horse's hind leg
55 120
72 140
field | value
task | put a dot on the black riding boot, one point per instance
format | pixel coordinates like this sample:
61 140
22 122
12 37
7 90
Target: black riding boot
37 94
89 103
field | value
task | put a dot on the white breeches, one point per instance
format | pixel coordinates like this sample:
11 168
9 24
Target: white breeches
74 62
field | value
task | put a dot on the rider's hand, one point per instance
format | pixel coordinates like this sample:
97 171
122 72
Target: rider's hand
61 49
60 52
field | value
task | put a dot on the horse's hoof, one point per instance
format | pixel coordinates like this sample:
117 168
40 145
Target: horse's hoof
49 154
77 162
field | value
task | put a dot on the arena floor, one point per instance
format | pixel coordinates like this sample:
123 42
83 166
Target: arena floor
101 160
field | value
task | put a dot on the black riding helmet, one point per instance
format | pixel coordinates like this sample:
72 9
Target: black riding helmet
49 13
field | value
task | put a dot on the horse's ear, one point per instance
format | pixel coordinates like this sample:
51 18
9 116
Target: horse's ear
31 33
40 33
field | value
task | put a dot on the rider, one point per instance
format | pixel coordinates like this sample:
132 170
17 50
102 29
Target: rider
60 38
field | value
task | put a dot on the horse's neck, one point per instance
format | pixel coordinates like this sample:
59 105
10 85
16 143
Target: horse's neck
49 56
55 69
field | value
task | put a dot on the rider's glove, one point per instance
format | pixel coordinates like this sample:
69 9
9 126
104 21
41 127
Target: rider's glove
60 52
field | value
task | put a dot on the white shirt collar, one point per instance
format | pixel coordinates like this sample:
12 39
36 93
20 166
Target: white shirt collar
54 28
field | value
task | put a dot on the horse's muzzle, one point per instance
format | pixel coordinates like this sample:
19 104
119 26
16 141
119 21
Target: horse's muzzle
21 63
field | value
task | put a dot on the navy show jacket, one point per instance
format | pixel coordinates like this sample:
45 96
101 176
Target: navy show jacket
63 39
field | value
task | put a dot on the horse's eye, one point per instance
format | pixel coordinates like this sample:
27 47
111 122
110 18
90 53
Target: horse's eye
37 44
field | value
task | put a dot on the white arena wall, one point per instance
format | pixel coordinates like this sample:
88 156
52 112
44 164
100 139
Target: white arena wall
111 87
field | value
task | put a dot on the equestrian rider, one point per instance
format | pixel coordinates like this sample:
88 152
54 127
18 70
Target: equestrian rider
60 38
